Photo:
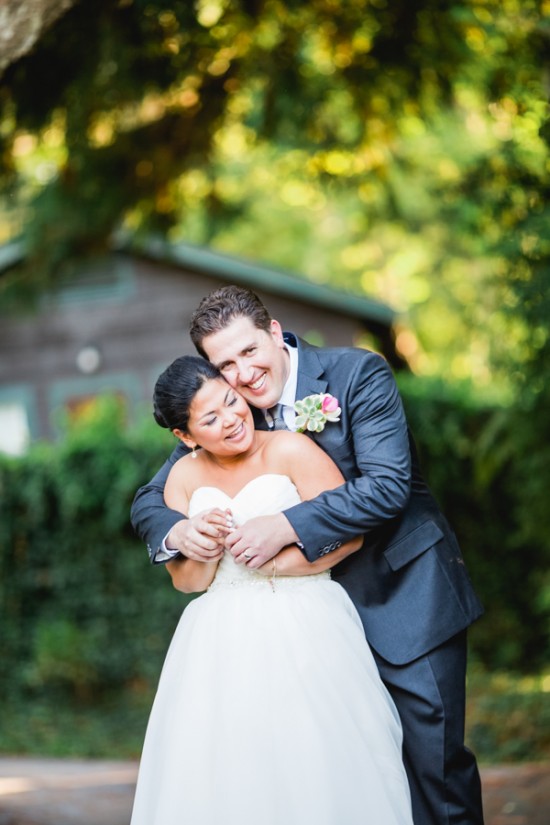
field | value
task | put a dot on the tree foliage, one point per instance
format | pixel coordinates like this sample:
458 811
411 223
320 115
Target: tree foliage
397 148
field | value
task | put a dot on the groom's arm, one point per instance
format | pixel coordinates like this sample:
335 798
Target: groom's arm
382 456
380 489
151 518
167 532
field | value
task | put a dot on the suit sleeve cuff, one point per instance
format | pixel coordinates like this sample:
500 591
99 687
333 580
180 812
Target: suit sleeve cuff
311 550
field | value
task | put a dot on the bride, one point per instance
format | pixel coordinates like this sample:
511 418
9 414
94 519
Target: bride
269 708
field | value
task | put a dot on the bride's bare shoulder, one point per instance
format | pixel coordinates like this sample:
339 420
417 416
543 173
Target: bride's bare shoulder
285 442
184 475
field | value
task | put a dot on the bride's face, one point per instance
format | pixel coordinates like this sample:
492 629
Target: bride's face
220 420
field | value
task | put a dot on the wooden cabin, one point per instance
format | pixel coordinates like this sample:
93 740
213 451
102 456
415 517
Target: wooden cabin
125 317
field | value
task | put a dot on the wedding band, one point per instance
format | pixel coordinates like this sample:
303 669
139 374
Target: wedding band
247 555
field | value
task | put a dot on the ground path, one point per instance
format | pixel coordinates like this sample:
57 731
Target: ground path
73 792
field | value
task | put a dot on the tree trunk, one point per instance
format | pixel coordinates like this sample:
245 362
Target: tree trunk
21 24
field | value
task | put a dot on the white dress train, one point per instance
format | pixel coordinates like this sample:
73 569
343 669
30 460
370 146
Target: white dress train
270 709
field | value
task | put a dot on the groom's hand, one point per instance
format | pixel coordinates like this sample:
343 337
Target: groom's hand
259 539
202 537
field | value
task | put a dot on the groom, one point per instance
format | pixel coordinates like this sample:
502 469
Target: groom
408 582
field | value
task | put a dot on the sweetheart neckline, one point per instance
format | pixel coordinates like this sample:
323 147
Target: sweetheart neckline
244 487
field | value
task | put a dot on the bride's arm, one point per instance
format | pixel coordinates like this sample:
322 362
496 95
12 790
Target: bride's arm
292 562
188 575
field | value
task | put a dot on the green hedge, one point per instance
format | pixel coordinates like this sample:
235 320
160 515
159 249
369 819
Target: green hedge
82 610
83 614
478 458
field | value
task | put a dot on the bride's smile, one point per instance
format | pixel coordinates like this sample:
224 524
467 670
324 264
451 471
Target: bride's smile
237 434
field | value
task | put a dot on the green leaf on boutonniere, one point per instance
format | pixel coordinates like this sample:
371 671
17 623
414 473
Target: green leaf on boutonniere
314 411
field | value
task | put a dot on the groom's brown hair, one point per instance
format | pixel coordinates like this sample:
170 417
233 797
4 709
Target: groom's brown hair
221 307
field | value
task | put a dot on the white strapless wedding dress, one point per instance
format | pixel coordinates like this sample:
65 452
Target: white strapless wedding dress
270 709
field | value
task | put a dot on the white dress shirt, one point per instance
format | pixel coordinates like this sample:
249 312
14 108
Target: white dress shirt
288 395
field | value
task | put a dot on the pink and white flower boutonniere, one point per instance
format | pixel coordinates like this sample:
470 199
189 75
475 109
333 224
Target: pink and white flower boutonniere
314 411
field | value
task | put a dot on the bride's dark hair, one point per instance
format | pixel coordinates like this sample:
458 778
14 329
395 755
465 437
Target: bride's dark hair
177 386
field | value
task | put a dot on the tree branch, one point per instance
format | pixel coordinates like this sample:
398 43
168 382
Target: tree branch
22 23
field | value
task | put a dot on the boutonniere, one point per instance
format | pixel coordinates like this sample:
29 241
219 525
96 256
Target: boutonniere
314 411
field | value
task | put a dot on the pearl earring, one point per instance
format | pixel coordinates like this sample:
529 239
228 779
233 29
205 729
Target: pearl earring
194 452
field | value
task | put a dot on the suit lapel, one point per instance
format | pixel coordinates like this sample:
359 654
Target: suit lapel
310 370
313 379
310 380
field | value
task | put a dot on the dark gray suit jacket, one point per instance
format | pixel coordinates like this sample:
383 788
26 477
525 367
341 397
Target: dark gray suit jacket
408 581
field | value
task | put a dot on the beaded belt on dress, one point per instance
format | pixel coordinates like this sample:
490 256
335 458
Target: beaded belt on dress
226 581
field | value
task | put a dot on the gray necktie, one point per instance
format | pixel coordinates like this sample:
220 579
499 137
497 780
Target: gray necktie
276 413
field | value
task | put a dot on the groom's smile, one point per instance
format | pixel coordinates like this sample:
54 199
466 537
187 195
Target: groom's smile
257 385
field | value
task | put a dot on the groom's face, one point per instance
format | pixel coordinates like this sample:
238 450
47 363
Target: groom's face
253 361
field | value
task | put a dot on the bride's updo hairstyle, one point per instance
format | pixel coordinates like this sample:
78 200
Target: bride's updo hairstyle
176 388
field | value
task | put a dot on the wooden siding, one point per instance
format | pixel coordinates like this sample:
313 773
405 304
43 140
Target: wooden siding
136 313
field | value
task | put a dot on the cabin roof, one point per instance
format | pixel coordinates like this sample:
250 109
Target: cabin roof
255 276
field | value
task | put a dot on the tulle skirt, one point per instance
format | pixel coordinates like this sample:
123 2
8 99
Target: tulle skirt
270 711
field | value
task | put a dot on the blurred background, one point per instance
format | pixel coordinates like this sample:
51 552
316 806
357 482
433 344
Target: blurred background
379 173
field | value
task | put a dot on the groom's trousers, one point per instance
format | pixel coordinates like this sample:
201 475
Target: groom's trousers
430 696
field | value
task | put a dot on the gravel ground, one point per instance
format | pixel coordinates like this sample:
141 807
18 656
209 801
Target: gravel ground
72 792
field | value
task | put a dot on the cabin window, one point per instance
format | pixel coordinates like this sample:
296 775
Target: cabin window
14 427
